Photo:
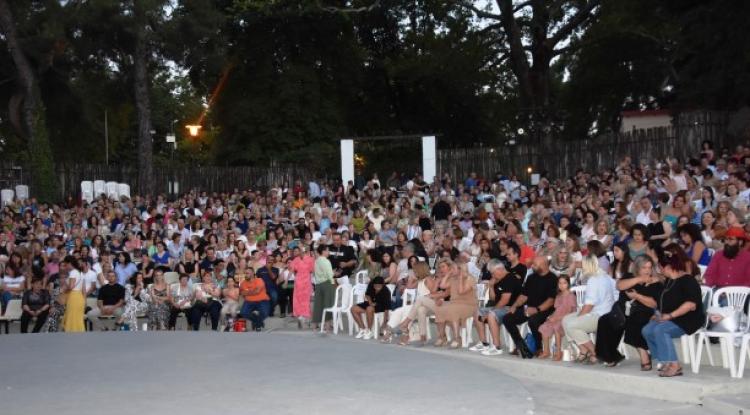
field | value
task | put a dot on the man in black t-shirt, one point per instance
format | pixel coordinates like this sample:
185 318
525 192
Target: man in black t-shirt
504 289
533 305
110 300
342 257
515 267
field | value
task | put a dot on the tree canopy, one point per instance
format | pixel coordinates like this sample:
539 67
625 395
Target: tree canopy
280 81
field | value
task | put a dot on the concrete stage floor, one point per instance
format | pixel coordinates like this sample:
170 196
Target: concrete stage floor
291 372
187 373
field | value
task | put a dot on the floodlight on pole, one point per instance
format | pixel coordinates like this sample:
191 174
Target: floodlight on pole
193 129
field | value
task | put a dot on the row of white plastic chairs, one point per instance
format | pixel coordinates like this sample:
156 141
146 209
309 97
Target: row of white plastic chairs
91 190
7 196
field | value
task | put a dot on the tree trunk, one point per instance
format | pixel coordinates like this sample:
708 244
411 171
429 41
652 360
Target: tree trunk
143 108
26 76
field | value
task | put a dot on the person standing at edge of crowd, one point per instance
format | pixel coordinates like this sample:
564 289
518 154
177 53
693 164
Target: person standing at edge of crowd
325 291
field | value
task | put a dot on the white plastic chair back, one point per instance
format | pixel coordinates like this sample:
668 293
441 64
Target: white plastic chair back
6 197
482 291
14 310
22 192
87 191
392 289
580 292
706 294
361 277
112 190
346 296
359 293
735 296
123 189
100 188
337 298
410 296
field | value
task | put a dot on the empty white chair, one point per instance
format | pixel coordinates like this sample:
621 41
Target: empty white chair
123 190
100 188
6 197
87 191
22 192
340 301
112 190
735 298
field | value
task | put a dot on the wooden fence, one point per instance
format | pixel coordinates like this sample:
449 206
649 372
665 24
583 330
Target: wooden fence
559 159
563 158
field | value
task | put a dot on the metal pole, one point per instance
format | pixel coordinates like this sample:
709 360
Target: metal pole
106 139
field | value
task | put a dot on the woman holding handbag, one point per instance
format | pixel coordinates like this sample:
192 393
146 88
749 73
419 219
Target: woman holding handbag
633 309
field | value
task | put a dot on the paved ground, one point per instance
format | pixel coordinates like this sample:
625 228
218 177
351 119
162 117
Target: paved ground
185 373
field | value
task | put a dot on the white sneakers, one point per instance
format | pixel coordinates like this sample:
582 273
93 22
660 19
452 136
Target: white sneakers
492 351
489 350
364 334
479 347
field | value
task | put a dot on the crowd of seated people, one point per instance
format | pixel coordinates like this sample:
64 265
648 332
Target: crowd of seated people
637 236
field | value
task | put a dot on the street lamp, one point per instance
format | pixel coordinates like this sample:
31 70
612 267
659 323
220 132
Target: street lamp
193 129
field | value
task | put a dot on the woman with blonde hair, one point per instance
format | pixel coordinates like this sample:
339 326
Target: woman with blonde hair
562 261
428 293
415 280
598 301
462 305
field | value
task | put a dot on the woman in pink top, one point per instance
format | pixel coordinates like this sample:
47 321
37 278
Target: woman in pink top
302 266
565 303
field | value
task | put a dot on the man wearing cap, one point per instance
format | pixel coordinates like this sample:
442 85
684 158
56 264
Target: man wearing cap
730 266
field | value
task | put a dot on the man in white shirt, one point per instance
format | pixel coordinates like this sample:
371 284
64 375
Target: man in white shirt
90 278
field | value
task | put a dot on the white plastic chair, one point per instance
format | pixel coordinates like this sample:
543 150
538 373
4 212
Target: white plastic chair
744 353
12 313
6 197
112 190
22 192
483 294
87 191
687 342
361 277
340 304
735 297
580 292
100 188
123 190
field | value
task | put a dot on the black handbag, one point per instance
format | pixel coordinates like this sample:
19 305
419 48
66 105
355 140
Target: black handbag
617 316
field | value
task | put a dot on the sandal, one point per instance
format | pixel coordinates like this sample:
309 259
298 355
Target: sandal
403 340
583 357
387 337
668 373
454 344
645 367
440 343
592 360
557 357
